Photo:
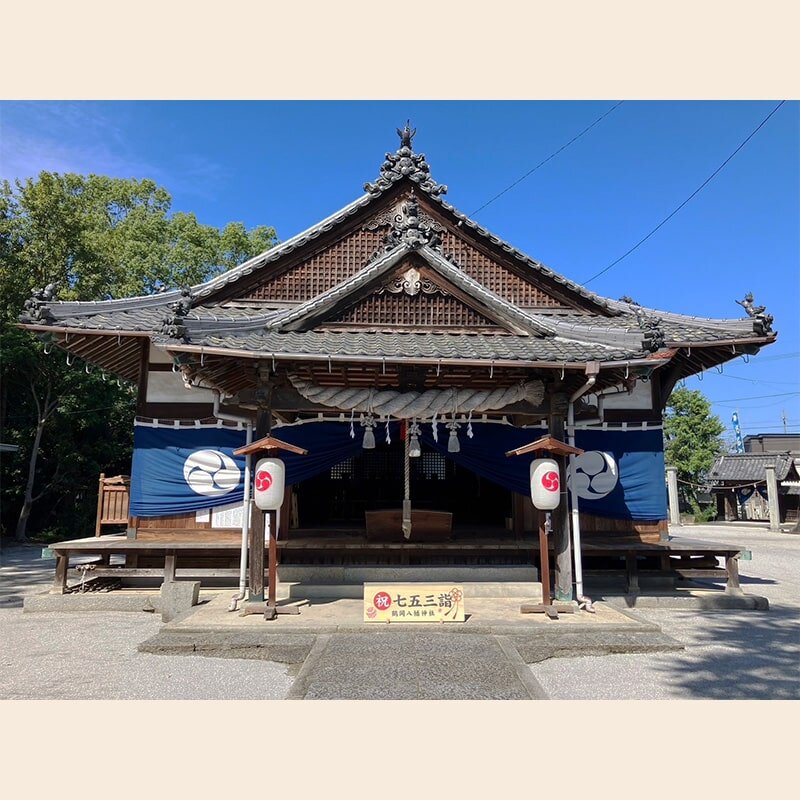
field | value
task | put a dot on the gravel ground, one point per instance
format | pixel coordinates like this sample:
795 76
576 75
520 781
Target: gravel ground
93 656
732 655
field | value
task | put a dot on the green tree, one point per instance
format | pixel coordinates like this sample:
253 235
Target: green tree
95 237
692 440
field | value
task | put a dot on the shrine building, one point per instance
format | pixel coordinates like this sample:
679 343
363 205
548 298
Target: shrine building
408 350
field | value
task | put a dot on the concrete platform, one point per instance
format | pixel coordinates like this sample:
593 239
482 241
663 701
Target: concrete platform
210 629
691 600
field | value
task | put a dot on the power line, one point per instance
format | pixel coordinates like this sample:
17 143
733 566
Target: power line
551 156
779 357
754 397
695 192
759 380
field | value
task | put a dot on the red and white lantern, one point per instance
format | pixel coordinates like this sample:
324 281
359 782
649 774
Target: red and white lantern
545 484
269 480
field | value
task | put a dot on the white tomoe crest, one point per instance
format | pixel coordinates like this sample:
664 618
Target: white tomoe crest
595 475
211 473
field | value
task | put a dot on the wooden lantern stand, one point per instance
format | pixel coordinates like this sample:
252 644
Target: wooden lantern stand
268 446
554 447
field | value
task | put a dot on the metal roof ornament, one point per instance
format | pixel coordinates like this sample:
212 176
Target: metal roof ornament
763 321
748 305
406 134
405 163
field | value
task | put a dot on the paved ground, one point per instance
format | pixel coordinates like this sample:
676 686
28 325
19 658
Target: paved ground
729 654
414 666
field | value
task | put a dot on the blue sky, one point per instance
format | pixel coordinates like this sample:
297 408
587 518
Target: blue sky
290 163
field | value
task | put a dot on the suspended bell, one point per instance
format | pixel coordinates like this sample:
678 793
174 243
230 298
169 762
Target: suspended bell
414 449
453 445
368 423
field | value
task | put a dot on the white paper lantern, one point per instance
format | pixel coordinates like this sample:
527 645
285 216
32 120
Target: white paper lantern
269 480
545 484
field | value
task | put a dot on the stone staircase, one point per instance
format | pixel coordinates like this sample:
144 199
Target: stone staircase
338 582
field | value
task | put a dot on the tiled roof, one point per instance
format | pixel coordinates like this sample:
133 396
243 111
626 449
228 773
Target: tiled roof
743 467
559 336
677 328
416 345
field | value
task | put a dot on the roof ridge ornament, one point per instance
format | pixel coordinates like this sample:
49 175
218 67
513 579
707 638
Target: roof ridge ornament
405 163
654 337
409 227
406 135
36 305
172 325
763 321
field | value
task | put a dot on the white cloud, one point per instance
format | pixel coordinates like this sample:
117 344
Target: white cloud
83 138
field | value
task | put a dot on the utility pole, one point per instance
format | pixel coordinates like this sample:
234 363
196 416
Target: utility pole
783 417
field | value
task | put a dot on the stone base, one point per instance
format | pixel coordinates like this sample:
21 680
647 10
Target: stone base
177 597
93 601
697 601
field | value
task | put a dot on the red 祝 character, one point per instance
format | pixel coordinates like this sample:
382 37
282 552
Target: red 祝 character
263 480
382 601
550 481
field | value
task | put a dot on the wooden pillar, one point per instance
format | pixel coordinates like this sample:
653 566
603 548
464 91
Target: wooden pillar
544 561
99 504
719 497
672 491
772 498
732 568
169 566
60 581
732 503
273 559
559 517
256 563
257 525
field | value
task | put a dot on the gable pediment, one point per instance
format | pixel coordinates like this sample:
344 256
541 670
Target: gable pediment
348 247
414 268
413 297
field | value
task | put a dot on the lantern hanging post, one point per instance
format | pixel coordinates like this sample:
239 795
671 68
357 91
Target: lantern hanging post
545 486
269 478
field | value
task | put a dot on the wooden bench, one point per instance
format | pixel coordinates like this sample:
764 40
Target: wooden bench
677 558
169 548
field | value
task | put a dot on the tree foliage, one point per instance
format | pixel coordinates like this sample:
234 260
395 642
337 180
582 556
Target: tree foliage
692 438
95 237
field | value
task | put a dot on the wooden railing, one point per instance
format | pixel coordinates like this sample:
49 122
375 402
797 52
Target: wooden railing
113 501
